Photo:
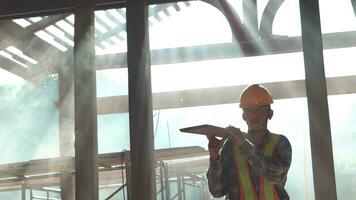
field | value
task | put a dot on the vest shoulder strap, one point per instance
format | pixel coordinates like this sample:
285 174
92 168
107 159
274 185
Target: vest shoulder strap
272 144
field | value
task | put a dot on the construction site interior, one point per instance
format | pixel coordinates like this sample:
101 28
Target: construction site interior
93 93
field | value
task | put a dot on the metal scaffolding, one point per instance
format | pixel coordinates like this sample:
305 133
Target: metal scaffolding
40 179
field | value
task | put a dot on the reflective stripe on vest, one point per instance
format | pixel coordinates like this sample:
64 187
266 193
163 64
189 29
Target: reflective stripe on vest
267 191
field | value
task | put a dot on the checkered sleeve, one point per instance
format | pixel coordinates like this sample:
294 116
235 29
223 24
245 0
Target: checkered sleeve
275 167
216 175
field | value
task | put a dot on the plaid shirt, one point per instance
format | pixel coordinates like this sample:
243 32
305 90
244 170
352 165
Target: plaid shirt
221 174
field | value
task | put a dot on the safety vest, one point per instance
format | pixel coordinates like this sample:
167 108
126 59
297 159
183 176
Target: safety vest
267 190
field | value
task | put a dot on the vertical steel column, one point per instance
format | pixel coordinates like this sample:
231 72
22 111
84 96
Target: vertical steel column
143 179
128 175
179 188
67 182
250 17
166 181
66 127
86 147
206 193
183 187
319 122
23 192
160 164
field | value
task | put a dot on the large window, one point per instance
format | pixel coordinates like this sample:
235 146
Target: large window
37 121
340 72
112 104
206 90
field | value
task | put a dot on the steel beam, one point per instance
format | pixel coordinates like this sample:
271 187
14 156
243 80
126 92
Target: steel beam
25 40
316 90
250 17
86 141
276 45
66 111
143 179
267 17
13 68
206 96
66 128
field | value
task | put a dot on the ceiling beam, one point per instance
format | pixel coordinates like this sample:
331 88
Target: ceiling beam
122 26
26 41
227 95
13 67
276 45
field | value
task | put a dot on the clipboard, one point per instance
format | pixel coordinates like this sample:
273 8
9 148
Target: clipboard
206 129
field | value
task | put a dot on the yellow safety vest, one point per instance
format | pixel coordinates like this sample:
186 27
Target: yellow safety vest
267 190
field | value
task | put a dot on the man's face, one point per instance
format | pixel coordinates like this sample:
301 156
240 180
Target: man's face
257 117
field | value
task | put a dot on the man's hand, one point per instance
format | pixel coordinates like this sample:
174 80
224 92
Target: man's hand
236 135
214 146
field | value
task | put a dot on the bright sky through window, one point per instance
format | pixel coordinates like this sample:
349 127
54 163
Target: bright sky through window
8 78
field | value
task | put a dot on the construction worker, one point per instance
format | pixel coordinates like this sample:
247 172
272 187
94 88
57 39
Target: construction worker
252 165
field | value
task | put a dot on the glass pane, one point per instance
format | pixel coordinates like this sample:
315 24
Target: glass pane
338 62
337 16
110 32
168 21
112 104
226 72
197 88
291 119
342 115
338 20
112 82
37 105
287 20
